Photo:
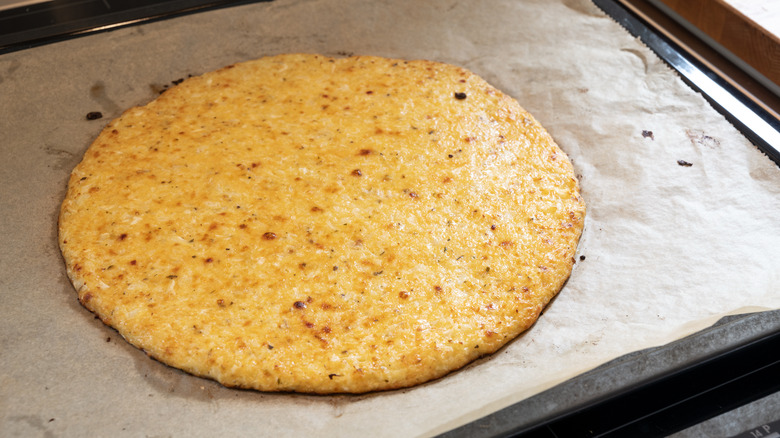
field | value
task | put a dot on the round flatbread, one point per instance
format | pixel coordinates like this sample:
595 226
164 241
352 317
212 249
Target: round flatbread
303 223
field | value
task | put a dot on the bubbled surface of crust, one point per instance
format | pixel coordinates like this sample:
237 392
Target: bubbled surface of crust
302 223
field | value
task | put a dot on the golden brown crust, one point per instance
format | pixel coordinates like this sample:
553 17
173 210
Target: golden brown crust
302 223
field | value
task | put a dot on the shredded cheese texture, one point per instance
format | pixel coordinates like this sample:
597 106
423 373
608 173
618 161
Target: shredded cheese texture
303 223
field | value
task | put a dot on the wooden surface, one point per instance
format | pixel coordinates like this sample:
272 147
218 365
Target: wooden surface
749 37
764 13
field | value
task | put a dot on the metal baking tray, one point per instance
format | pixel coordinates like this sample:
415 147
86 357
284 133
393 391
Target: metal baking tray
655 392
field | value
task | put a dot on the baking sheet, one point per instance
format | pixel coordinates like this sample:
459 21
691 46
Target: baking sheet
668 249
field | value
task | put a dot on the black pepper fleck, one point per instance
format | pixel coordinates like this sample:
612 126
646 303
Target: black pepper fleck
460 96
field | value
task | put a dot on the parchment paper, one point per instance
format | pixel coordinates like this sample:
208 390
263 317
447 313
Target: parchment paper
667 249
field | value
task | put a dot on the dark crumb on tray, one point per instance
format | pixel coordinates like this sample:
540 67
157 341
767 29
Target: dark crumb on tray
648 134
94 115
684 163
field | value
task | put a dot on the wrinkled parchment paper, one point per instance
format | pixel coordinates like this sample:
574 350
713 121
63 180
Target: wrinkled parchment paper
667 248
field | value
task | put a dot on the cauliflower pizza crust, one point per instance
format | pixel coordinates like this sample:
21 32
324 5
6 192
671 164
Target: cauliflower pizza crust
303 223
